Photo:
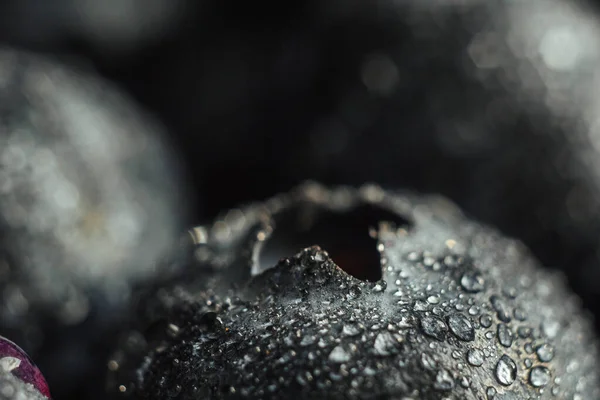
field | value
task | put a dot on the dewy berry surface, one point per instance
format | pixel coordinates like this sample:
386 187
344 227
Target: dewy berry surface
434 306
15 361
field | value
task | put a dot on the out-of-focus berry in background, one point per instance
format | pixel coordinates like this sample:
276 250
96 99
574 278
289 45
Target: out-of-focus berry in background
495 104
91 197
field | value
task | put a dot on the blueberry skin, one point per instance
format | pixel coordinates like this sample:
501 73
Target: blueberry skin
459 311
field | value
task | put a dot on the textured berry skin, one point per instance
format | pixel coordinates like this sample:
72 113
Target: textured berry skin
13 360
460 312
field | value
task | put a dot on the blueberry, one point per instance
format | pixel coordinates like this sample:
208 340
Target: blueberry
90 199
345 293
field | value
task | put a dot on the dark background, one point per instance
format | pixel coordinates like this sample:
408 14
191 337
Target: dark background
436 97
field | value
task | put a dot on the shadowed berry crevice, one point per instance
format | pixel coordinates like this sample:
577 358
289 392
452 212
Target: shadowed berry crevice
347 235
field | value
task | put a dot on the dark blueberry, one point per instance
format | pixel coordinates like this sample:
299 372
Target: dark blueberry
15 361
344 293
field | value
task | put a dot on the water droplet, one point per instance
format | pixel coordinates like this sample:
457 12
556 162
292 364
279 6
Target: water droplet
502 310
473 310
380 286
300 379
550 328
420 305
475 357
385 344
510 292
210 321
443 381
545 352
485 320
461 326
406 322
434 327
465 382
172 330
354 291
506 371
428 361
539 376
519 314
472 282
7 364
307 340
433 299
7 390
368 371
350 330
339 355
505 336
523 332
428 261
